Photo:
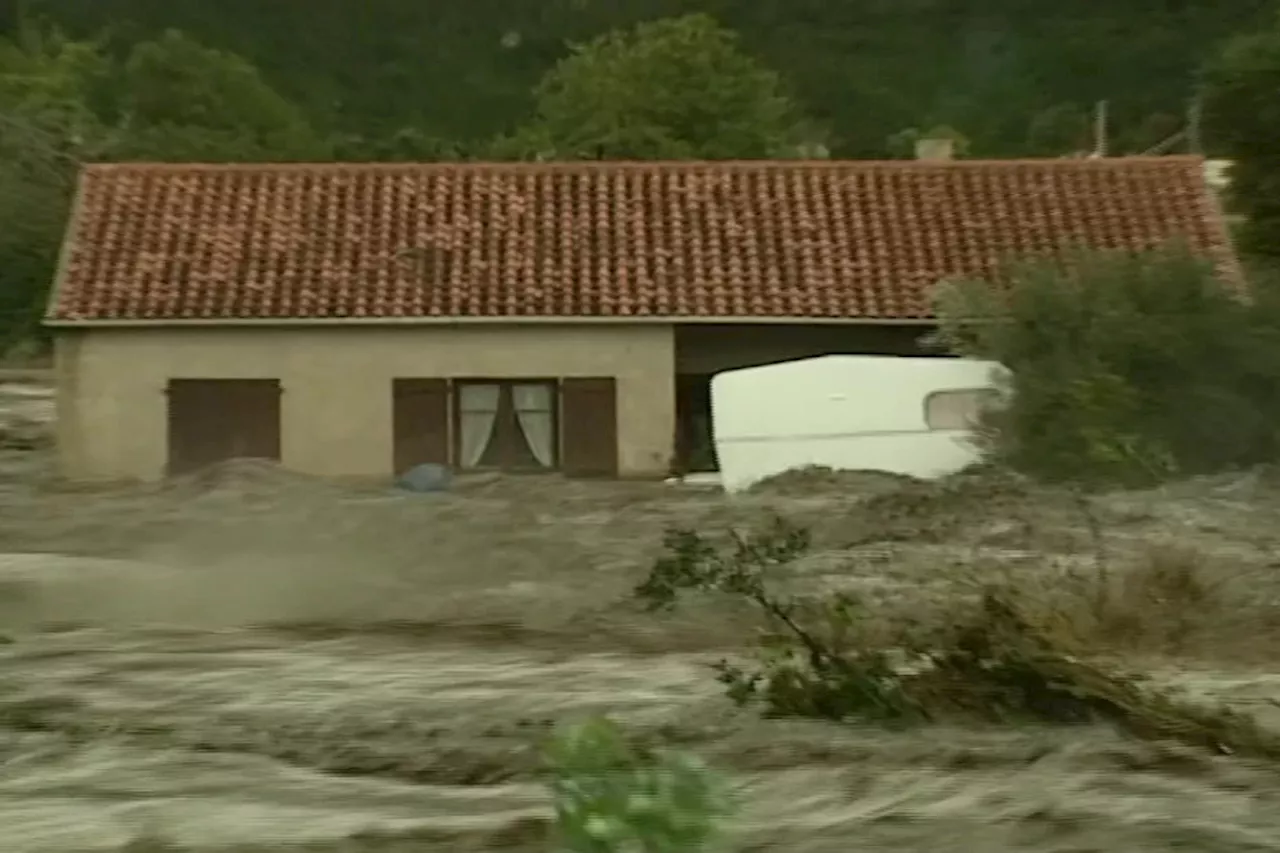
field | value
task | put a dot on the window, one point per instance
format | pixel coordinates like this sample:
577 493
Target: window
506 425
957 409
535 415
477 418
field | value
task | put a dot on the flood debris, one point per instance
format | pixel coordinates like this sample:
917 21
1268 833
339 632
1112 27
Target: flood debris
997 657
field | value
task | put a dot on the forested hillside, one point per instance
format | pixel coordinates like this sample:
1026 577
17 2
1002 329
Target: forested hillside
389 79
1004 73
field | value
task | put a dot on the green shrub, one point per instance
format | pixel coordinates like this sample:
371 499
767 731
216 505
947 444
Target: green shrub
1125 367
612 795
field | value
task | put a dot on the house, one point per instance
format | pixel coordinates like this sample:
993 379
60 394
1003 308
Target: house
355 320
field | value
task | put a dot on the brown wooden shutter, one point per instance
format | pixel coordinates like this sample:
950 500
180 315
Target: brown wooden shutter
259 422
213 420
589 427
420 422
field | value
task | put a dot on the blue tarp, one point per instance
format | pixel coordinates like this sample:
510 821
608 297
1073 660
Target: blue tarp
425 478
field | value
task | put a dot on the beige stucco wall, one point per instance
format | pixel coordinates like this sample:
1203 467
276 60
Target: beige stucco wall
336 408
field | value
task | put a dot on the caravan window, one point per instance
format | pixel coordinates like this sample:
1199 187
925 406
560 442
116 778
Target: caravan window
956 409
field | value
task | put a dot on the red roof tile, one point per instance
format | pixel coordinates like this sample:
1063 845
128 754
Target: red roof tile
681 240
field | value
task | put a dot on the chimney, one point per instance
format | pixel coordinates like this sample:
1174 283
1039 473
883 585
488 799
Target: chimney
935 150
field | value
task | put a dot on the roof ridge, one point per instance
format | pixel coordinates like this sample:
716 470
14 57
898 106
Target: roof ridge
646 165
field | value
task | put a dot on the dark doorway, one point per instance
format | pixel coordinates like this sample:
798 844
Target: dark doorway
213 420
695 444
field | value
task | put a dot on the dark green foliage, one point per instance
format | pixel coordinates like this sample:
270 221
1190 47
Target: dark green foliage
1125 368
64 102
46 125
1242 107
464 70
673 89
180 100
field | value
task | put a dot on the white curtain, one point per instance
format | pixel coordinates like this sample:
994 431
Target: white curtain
477 414
534 411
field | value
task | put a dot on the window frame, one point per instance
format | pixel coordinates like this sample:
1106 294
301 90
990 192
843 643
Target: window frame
506 386
986 394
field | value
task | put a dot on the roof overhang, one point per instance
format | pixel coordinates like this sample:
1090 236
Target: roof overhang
484 321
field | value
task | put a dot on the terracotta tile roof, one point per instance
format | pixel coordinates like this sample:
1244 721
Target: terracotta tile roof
684 240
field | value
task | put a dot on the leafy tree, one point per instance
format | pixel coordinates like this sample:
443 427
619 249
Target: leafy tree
63 102
408 144
1242 116
52 80
35 191
46 126
1059 131
180 100
677 88
1124 368
462 71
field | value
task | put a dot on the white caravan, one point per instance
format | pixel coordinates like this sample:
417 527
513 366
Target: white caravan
908 415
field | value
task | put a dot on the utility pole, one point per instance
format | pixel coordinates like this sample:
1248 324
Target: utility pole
1100 130
1195 115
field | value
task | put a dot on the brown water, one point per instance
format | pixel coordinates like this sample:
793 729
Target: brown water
262 662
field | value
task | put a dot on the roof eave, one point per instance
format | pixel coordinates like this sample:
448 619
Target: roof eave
66 247
245 322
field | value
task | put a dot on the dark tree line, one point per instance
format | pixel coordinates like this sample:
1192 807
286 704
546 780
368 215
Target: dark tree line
1015 78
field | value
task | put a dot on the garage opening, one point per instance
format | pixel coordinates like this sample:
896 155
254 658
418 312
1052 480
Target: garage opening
214 420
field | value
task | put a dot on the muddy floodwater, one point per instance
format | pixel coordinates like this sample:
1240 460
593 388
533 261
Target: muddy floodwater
255 661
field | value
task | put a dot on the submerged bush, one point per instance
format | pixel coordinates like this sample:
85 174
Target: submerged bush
999 659
807 666
612 795
1124 367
